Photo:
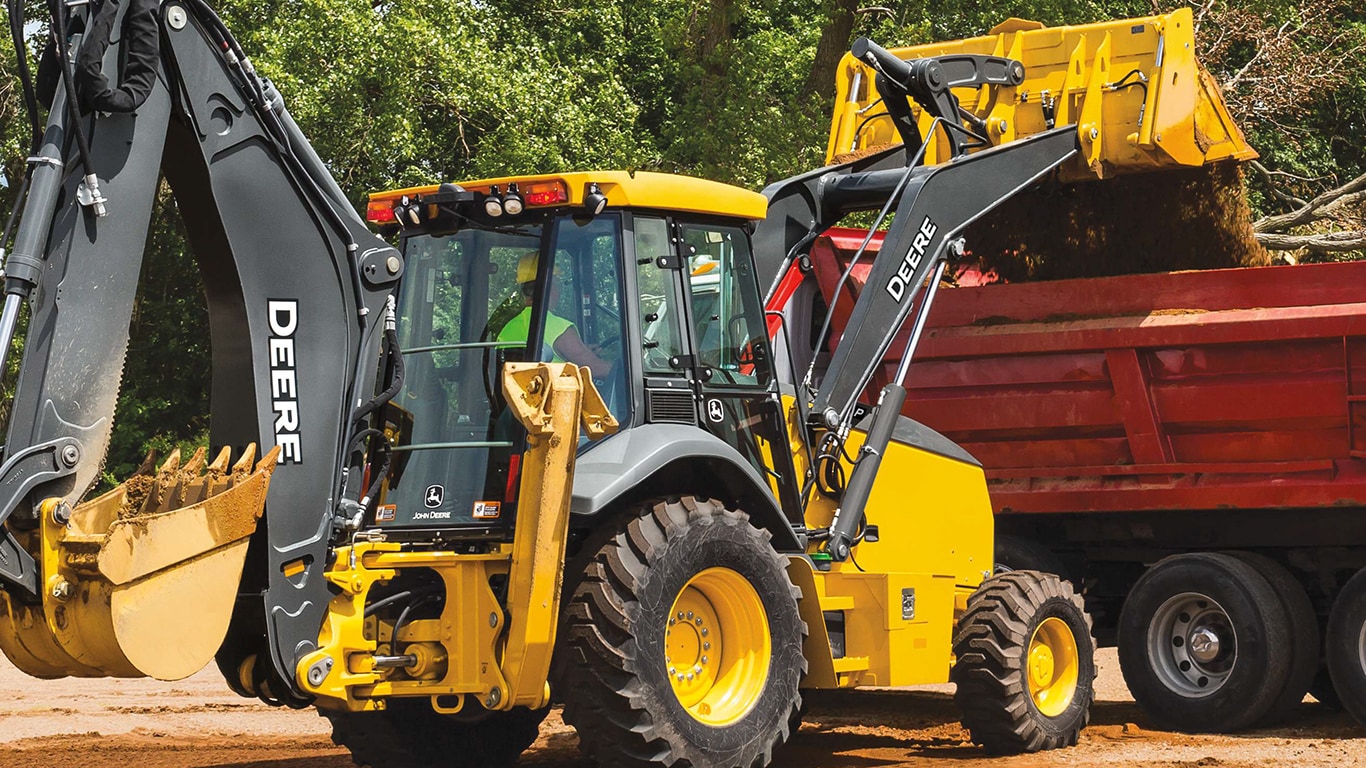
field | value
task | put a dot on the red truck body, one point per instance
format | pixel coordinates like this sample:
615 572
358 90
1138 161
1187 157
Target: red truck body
1242 388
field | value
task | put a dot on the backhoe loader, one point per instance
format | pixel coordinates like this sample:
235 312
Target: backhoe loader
745 432
434 549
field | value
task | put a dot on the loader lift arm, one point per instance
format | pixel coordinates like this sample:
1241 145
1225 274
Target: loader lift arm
296 289
933 204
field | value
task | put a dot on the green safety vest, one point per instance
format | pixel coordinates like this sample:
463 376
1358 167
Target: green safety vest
519 328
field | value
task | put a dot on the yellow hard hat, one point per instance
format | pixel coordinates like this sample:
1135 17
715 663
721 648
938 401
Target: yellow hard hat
526 267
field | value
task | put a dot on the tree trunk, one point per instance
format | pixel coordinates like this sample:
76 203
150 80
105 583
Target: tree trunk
839 25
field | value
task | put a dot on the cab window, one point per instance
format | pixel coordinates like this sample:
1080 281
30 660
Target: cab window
727 319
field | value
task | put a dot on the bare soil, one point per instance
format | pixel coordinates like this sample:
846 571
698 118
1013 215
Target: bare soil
199 723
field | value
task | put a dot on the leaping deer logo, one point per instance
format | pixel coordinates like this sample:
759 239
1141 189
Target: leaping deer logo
434 496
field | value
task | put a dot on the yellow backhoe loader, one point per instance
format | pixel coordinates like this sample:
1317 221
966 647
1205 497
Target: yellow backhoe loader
435 548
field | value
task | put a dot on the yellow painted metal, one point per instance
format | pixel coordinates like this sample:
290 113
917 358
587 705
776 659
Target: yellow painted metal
639 189
899 595
145 589
717 646
552 402
475 647
1139 97
1051 666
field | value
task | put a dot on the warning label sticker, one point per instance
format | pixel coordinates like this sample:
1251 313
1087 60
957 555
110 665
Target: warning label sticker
386 513
487 510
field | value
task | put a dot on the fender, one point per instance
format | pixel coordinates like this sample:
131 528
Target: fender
656 459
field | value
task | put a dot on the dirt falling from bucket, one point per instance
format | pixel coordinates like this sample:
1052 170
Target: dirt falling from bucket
1195 218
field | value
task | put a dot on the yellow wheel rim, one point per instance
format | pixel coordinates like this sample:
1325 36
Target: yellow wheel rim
716 647
1051 667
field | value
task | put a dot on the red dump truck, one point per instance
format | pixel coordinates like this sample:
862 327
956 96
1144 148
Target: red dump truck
1155 438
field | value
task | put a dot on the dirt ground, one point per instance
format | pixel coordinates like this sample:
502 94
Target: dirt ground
198 722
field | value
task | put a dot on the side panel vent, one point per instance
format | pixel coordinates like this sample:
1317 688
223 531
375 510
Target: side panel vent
670 407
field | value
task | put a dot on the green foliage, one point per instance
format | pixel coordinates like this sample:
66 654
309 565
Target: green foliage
402 92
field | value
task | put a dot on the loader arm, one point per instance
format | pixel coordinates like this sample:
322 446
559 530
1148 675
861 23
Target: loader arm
296 288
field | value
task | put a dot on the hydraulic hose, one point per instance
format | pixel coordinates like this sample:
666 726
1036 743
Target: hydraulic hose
73 109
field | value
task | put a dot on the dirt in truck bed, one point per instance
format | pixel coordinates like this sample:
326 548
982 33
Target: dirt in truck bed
198 722
1141 222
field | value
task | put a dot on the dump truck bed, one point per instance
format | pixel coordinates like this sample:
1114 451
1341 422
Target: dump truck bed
1242 388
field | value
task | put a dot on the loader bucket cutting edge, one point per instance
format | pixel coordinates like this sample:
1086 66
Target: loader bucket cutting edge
142 580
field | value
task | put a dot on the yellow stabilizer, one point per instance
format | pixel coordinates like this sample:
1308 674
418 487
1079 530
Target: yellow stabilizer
140 581
1139 97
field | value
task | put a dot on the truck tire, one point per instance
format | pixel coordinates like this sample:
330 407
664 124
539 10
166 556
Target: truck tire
1025 665
410 734
1202 641
1304 635
685 582
1017 553
1345 645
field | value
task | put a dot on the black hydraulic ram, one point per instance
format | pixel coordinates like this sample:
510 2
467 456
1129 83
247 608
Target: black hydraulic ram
849 515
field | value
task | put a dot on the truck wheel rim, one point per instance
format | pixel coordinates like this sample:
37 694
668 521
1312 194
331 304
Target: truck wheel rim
1052 666
1192 644
717 647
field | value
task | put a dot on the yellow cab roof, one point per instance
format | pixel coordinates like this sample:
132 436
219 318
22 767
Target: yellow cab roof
639 189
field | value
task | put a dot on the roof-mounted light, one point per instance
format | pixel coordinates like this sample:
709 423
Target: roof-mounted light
493 203
512 201
594 201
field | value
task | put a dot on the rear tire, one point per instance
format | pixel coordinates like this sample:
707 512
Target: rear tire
737 646
1345 645
1304 635
1025 663
1202 641
410 734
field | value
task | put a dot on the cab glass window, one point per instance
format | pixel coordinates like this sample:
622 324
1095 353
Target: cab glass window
728 320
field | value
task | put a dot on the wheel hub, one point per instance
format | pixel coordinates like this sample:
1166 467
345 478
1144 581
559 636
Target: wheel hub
1053 663
1205 644
717 647
1192 644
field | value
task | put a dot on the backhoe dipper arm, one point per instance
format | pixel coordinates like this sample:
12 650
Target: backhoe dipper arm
296 287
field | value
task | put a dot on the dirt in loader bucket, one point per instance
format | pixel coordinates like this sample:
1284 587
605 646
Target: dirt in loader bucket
1188 218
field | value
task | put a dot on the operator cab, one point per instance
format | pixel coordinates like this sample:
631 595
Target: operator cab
643 278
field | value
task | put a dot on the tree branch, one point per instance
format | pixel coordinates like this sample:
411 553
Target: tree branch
1330 242
1311 211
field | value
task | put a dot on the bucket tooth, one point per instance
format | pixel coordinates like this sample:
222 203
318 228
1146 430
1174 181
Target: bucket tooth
195 465
268 461
219 466
244 464
171 464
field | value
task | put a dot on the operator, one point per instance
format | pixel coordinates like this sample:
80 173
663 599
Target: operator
562 341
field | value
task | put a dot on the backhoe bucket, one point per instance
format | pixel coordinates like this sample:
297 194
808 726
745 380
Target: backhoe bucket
142 580
1134 89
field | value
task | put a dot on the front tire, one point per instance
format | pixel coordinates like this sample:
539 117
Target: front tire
683 643
1025 663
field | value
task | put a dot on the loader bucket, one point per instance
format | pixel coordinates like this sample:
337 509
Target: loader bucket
142 580
1134 89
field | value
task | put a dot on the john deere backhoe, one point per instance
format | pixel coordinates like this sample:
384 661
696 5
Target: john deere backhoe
430 552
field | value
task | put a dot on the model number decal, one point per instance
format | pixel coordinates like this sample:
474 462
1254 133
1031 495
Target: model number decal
284 384
897 285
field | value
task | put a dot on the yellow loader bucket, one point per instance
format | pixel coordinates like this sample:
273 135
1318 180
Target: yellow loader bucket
1134 89
140 581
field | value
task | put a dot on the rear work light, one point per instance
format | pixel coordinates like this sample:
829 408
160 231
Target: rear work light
380 212
545 193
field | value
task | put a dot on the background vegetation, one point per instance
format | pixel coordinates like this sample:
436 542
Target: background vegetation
398 92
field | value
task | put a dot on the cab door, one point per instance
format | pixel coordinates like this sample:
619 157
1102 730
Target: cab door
730 354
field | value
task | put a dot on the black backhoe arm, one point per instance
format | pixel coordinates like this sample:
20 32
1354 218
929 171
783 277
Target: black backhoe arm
296 289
